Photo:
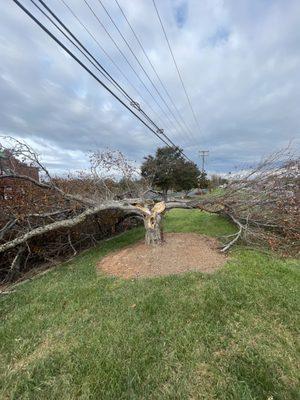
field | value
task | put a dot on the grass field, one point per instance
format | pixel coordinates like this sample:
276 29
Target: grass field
72 334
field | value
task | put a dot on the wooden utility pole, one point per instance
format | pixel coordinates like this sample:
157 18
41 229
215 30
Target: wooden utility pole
203 154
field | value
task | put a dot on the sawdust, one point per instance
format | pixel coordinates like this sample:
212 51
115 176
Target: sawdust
180 253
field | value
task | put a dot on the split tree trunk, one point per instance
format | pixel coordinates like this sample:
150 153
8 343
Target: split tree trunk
154 232
152 221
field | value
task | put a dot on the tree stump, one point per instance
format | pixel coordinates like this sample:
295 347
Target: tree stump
154 235
152 223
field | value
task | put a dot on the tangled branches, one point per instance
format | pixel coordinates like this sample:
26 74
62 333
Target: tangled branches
43 217
264 203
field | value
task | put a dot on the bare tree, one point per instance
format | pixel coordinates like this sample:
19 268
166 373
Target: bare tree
49 209
263 203
42 217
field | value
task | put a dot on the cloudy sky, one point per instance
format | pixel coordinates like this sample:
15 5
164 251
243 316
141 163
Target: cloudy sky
240 62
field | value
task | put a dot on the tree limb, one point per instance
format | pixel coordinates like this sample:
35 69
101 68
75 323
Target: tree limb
7 227
66 223
237 235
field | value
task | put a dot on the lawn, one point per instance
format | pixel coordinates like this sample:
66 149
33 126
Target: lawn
73 334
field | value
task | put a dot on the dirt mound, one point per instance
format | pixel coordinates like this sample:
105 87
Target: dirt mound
181 252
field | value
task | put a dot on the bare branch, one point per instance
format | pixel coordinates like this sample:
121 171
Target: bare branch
10 224
66 223
236 235
49 186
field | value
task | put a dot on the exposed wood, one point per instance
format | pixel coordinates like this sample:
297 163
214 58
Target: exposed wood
154 234
40 223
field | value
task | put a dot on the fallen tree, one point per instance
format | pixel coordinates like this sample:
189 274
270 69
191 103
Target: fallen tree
263 203
44 218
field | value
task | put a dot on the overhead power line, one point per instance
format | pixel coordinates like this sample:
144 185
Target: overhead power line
153 68
102 70
126 59
139 63
111 60
83 50
176 66
68 51
79 46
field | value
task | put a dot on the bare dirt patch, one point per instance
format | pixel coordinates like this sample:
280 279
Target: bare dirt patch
180 253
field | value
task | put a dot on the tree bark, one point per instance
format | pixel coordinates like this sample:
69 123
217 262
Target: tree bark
14 270
165 195
67 223
154 231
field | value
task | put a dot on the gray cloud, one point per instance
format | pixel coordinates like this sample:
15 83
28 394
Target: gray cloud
240 62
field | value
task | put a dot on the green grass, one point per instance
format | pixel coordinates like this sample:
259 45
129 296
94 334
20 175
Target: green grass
72 334
200 222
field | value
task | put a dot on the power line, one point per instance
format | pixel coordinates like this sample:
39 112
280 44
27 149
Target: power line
110 58
106 74
153 68
68 51
103 71
125 58
138 61
176 66
82 64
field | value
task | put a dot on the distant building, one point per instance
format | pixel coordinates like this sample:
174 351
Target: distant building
10 165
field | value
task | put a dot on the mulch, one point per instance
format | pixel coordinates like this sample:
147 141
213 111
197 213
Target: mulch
181 252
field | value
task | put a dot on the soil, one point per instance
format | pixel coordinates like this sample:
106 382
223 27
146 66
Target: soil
181 252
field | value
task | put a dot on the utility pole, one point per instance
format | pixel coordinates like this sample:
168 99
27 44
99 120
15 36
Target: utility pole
203 154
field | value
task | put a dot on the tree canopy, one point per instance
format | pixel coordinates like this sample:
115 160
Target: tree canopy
169 170
203 180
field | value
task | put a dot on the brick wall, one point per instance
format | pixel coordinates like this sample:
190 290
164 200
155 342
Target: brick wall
9 164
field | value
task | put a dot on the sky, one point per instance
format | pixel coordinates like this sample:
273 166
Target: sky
239 60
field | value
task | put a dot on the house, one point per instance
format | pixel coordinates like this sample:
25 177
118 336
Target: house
11 165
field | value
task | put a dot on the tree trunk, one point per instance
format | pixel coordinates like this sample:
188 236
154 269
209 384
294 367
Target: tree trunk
165 195
154 231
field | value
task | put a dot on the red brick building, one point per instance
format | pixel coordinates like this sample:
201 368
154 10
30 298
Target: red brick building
11 165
